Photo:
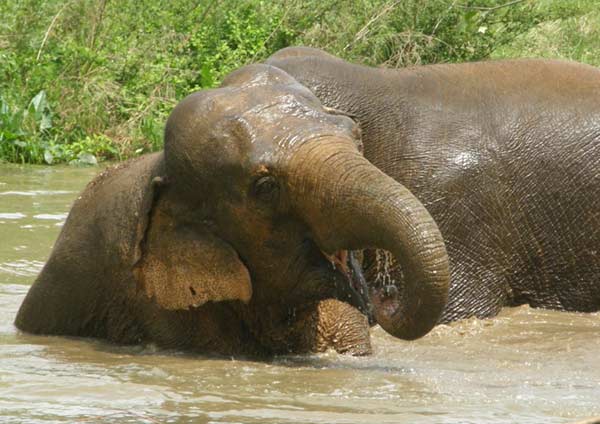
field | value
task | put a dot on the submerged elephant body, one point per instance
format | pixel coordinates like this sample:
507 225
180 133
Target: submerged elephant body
504 155
235 239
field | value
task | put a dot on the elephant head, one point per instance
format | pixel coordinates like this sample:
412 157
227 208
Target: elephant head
263 189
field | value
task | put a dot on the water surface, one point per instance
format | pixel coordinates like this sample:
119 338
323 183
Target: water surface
526 366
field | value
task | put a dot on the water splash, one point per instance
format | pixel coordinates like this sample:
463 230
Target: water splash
384 263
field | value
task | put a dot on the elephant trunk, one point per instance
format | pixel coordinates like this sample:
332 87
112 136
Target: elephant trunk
350 204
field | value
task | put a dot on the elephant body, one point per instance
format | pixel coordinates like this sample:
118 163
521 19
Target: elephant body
505 155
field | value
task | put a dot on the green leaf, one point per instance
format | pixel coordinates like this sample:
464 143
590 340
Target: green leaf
41 109
39 102
46 121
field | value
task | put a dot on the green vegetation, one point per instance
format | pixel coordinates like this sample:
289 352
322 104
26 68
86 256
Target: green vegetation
87 80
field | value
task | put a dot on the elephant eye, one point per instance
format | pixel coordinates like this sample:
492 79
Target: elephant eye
266 188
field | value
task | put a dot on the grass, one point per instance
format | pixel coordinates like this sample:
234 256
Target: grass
571 34
87 80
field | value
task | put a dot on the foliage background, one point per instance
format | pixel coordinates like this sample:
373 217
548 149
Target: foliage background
88 80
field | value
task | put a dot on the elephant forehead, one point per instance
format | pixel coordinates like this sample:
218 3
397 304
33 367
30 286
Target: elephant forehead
254 99
280 106
286 122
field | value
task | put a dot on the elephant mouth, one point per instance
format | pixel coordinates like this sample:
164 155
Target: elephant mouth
357 290
382 292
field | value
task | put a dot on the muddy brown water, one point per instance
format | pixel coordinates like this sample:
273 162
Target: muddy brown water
526 366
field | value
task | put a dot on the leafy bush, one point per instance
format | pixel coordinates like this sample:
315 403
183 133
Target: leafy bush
26 136
110 72
22 130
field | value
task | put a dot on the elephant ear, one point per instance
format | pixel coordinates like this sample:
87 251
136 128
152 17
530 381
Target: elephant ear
182 267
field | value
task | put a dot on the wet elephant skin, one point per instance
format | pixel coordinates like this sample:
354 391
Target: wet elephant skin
504 154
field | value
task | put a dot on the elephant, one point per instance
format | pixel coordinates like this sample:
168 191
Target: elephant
505 155
243 236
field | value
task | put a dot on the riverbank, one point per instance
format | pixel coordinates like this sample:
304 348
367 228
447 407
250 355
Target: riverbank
83 81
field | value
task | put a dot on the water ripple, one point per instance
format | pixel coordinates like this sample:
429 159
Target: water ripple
16 215
35 192
13 289
55 216
22 267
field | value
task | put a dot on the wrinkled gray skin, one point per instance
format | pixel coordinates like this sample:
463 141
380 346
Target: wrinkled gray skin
235 240
505 156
